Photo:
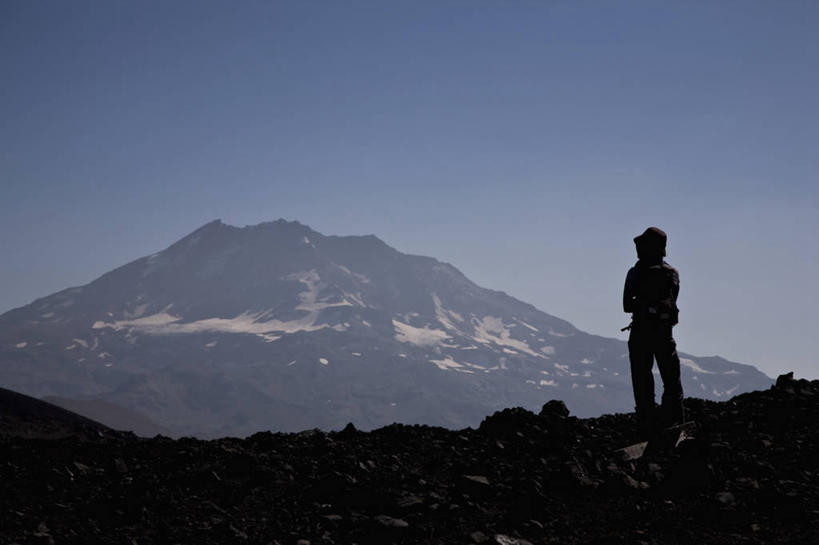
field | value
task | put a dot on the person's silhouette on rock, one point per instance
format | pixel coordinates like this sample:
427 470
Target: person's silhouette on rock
650 294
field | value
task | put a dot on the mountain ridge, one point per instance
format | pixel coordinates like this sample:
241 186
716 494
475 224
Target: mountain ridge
27 417
236 329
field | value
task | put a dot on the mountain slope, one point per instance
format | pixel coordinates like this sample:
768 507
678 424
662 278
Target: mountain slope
275 326
111 415
24 416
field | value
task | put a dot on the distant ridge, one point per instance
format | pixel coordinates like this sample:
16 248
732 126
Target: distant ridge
111 415
25 416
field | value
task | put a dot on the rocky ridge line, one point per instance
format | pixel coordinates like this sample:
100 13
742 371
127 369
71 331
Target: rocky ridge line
749 475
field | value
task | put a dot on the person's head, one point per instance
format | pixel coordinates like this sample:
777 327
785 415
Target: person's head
651 244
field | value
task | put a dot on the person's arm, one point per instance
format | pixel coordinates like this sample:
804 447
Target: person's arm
675 289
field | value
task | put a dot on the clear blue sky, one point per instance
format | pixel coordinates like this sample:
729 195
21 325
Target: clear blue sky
524 142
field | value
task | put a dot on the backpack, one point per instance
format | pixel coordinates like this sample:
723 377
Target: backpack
658 286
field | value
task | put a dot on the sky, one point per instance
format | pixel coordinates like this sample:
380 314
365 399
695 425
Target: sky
526 143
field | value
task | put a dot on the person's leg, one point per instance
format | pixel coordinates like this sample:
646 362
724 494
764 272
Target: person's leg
641 358
668 362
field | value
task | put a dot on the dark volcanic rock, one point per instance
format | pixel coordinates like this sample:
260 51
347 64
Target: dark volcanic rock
555 408
750 474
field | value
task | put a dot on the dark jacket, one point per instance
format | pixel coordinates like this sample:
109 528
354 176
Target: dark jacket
651 291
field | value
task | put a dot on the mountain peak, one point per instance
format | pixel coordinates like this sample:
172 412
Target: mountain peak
282 226
280 223
234 329
215 226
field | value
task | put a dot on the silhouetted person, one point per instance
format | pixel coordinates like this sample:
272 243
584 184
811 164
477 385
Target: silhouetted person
650 294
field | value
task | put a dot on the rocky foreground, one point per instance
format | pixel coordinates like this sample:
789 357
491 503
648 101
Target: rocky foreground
750 474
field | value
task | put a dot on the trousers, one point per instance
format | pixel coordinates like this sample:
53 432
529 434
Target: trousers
650 340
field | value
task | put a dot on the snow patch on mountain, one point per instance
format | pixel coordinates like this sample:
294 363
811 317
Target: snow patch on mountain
445 316
138 311
148 322
356 299
490 329
419 336
524 324
691 364
360 277
309 298
448 363
167 324
254 323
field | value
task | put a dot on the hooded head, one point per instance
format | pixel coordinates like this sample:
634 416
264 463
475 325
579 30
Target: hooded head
651 244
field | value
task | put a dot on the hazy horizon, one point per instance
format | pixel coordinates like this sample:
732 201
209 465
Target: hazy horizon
524 143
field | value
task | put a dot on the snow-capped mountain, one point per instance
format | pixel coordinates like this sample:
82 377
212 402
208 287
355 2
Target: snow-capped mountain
275 326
